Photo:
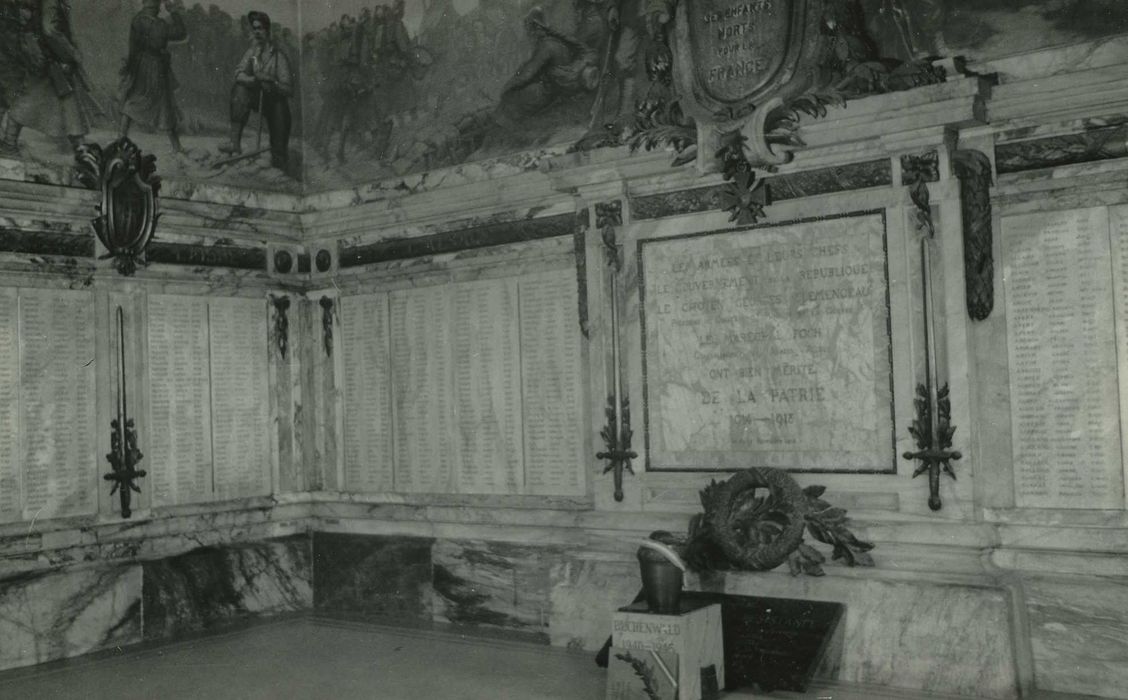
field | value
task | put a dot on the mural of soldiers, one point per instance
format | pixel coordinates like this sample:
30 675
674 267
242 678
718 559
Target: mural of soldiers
57 100
614 28
559 65
264 82
147 81
906 31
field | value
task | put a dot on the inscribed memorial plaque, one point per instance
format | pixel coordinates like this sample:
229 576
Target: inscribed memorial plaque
769 347
552 389
9 405
421 389
487 386
368 396
57 403
240 402
180 439
1062 349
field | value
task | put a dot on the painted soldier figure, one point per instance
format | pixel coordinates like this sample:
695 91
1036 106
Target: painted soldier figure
264 82
147 82
57 100
560 65
614 28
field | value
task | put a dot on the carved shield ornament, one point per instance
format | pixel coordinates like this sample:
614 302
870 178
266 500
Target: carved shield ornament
129 186
734 56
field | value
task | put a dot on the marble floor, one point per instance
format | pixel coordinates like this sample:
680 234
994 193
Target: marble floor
322 658
313 658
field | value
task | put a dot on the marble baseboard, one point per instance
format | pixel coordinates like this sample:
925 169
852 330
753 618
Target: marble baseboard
55 614
495 585
584 596
211 587
1079 635
377 576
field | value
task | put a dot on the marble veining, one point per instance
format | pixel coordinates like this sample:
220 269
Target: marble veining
210 587
1079 635
52 614
494 584
383 577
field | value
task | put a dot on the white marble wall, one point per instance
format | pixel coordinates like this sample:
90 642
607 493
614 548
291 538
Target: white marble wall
54 615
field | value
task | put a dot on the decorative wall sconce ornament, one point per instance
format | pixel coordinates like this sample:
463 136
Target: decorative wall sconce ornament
124 454
128 211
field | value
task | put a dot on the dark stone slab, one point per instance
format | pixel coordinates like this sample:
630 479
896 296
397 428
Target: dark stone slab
844 178
1092 145
214 587
46 243
235 257
777 643
373 575
495 585
486 235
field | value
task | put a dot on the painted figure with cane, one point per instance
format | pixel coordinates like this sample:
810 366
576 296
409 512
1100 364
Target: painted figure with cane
263 82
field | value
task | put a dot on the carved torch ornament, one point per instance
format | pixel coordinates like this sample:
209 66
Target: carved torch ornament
932 428
124 454
128 210
617 433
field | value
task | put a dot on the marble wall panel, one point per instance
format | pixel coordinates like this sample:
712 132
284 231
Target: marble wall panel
211 587
495 585
55 614
1079 635
383 577
942 638
584 594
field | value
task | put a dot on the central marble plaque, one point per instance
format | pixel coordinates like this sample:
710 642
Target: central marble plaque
769 347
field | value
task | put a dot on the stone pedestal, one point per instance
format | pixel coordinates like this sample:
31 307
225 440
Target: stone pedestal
690 641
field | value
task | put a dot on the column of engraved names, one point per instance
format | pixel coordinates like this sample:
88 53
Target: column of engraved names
552 393
421 378
368 396
487 384
180 441
57 402
9 405
1062 352
240 408
1118 228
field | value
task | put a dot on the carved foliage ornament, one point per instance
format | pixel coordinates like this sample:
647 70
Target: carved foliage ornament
128 210
974 171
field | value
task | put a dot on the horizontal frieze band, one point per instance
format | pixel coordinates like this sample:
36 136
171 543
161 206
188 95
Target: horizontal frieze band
46 243
842 178
234 257
463 239
1066 149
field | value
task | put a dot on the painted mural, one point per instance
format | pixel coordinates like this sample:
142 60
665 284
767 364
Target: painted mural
211 91
231 92
402 88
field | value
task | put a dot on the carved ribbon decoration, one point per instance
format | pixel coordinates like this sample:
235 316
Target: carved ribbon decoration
124 455
617 433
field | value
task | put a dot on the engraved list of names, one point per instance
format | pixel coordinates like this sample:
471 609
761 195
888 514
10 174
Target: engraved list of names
769 347
1061 333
